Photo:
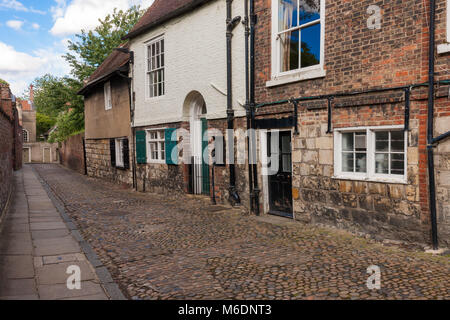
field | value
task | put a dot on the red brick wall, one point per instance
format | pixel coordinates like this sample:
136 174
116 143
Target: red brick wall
72 153
10 143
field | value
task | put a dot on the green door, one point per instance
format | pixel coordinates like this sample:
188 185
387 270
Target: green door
205 164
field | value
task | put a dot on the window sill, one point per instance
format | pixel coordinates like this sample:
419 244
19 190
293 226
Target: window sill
372 179
156 162
443 48
297 76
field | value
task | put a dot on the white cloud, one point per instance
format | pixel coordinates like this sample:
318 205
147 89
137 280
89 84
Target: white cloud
35 26
15 24
18 6
20 69
71 18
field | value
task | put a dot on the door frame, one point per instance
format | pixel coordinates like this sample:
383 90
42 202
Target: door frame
29 153
265 178
43 154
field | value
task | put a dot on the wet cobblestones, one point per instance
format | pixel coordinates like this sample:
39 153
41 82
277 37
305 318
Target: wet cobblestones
178 247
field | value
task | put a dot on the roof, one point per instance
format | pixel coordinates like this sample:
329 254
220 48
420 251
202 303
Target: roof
161 11
116 61
25 105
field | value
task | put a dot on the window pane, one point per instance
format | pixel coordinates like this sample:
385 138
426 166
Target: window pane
157 48
287 165
398 164
347 141
162 45
287 14
286 144
382 141
397 141
310 46
163 151
382 163
361 162
360 141
348 162
289 51
309 11
153 50
162 60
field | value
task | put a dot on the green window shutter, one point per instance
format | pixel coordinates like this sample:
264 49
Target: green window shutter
141 147
171 146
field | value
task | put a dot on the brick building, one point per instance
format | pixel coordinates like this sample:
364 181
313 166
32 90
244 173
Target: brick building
366 170
107 122
10 143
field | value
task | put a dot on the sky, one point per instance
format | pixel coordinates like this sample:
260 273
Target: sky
34 35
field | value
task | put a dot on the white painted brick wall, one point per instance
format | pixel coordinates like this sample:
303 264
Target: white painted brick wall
195 46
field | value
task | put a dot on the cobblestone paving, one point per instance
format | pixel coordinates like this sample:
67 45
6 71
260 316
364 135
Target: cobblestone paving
182 248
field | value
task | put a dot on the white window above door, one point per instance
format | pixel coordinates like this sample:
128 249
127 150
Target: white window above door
298 40
445 47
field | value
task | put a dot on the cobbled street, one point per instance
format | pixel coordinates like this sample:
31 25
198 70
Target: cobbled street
159 247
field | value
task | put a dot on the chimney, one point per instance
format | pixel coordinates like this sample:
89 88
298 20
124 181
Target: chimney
31 93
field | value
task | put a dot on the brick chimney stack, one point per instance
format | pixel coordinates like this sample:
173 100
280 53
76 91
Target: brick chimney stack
31 93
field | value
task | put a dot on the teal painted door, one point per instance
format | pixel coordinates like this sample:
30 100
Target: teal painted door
205 162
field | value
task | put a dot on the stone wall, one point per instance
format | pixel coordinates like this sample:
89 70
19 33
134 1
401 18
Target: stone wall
71 153
163 178
98 162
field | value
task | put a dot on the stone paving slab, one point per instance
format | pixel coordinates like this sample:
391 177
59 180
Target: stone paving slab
89 290
56 273
51 247
47 226
49 234
16 267
17 287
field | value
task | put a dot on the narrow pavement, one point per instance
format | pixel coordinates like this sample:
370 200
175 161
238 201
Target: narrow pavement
37 248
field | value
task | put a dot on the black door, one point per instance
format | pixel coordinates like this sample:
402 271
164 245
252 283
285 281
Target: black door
280 184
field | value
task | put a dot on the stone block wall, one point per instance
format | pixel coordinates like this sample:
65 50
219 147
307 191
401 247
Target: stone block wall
163 178
98 161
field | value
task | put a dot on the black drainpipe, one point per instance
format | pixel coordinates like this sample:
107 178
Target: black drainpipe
231 24
431 176
247 103
256 190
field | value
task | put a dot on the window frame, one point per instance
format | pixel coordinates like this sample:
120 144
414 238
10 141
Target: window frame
445 47
160 140
119 146
147 44
370 175
26 134
311 72
107 95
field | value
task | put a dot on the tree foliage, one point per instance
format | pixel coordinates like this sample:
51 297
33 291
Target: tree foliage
67 124
3 81
92 47
43 124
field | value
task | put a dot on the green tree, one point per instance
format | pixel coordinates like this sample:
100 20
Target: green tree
3 81
53 95
92 47
43 124
67 124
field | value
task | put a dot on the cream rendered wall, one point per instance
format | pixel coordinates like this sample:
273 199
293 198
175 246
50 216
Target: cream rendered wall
195 59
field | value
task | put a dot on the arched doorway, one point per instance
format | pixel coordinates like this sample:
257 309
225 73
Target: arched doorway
195 108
